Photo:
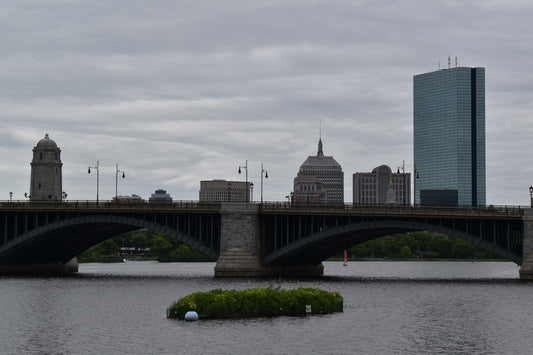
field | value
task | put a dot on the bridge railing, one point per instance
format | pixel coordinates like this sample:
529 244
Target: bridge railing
267 207
108 205
392 209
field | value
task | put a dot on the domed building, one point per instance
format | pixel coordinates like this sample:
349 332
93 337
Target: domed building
319 180
46 180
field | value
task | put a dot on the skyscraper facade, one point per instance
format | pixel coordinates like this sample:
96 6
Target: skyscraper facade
449 137
319 180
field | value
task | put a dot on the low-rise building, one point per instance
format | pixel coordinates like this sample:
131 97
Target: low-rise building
128 199
220 190
160 196
382 186
308 190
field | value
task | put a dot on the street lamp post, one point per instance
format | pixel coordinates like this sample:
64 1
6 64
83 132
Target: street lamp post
416 176
531 195
252 192
245 167
10 196
266 177
97 167
116 181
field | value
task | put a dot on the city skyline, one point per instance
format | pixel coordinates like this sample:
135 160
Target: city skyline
179 93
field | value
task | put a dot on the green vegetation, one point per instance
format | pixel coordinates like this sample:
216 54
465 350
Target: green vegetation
148 245
419 245
144 245
257 302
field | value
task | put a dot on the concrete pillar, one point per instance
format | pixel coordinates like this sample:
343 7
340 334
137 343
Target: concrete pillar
240 247
526 269
240 254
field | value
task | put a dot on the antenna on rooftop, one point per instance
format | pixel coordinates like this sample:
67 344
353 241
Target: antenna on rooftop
456 62
449 63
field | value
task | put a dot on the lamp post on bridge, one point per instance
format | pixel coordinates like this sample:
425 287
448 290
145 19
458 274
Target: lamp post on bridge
245 167
97 167
10 196
116 181
531 195
252 192
266 177
416 176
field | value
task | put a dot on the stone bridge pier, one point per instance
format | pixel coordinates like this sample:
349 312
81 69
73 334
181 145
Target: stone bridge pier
240 247
526 269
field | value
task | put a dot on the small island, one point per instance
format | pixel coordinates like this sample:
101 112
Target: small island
257 302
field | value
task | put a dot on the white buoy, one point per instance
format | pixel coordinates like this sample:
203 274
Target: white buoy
191 316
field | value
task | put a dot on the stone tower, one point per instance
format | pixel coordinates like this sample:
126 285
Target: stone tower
46 181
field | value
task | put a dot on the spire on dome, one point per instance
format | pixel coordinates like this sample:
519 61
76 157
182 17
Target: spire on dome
320 152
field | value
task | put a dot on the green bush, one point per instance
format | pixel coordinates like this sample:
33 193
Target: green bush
256 302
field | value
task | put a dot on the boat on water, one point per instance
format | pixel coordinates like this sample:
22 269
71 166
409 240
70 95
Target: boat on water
345 258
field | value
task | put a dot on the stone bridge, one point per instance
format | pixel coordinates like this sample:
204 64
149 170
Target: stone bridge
248 239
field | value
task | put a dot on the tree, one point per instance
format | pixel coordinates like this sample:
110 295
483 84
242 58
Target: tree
405 252
441 245
160 248
140 241
462 249
107 247
359 251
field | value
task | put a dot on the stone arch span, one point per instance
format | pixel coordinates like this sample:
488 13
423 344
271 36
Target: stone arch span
60 241
317 247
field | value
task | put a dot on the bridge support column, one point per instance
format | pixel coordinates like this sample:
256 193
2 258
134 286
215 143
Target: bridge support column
526 269
240 254
240 247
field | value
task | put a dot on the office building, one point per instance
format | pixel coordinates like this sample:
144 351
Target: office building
220 190
308 190
160 196
319 180
382 186
449 137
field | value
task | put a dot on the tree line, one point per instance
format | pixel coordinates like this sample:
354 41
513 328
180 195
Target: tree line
414 245
146 244
419 245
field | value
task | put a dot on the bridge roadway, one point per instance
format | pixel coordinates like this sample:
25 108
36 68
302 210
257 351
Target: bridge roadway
247 239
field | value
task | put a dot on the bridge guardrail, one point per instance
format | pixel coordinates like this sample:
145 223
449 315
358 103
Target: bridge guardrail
109 205
491 210
273 207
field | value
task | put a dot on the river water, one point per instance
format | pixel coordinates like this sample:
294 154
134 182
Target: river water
389 308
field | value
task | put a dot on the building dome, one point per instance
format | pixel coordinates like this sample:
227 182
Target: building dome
46 143
320 160
326 173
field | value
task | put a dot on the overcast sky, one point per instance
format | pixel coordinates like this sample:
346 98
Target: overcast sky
181 91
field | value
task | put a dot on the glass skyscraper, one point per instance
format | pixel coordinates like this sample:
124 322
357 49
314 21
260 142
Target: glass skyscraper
449 137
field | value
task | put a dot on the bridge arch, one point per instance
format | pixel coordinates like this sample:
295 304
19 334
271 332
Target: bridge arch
317 247
60 241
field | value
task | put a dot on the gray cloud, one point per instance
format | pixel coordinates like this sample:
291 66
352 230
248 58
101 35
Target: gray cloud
176 92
